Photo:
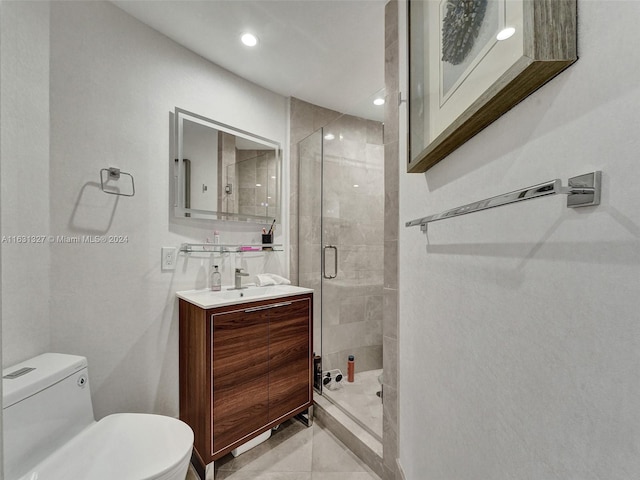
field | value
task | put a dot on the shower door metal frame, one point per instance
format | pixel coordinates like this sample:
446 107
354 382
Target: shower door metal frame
322 252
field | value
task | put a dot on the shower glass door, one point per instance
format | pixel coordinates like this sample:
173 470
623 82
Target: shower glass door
340 230
310 226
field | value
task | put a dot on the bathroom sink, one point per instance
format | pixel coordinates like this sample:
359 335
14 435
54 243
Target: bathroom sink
230 296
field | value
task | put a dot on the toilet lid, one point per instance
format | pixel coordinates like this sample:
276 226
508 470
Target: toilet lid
127 446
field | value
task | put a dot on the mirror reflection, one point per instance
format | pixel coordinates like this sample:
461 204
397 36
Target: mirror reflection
223 172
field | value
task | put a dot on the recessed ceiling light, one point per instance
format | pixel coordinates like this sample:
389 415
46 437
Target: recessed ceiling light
505 33
355 185
329 136
258 184
249 39
378 101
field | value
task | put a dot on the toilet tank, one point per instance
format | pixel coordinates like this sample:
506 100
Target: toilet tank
45 402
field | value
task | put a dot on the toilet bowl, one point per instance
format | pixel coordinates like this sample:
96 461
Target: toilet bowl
50 432
121 446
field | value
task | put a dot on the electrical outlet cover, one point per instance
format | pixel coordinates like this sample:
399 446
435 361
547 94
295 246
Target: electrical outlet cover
169 258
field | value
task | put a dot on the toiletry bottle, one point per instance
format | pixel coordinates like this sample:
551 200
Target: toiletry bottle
216 237
216 279
351 368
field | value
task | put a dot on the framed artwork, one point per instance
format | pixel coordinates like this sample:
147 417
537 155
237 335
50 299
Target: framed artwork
470 61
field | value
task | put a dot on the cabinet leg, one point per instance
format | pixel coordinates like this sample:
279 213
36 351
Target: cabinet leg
205 473
208 471
306 417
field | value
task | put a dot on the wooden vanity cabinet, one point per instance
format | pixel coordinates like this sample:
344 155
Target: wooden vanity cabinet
244 369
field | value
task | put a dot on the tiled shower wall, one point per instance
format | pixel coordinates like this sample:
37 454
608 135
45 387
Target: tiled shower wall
391 224
353 222
305 119
353 209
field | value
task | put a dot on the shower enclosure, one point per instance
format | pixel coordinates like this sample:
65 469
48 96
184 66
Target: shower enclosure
340 245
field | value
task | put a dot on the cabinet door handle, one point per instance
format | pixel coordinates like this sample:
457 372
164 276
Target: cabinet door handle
335 261
266 307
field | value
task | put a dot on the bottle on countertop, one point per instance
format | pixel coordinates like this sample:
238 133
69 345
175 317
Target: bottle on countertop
216 279
216 237
351 368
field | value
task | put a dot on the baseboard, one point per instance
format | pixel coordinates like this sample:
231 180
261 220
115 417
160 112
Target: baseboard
400 470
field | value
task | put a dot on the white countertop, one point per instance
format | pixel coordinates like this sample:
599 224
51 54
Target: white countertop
229 296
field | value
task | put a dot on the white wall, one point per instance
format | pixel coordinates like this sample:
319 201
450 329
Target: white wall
519 333
24 110
2 15
113 85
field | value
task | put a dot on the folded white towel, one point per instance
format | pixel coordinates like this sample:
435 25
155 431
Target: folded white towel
265 279
279 280
262 280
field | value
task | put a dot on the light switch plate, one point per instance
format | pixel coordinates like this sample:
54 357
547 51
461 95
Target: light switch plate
169 258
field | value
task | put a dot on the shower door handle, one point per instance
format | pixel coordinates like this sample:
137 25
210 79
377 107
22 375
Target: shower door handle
335 261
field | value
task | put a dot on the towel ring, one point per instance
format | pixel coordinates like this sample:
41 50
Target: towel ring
114 174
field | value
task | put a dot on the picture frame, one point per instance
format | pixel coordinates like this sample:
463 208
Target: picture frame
462 77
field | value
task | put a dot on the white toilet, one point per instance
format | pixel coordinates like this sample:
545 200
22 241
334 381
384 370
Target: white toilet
50 432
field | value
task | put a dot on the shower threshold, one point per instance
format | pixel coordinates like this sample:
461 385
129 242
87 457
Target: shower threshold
360 441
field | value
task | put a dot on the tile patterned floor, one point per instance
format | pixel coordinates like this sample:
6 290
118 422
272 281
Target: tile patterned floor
294 452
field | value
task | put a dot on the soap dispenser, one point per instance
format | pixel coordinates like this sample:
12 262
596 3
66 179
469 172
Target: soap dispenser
216 279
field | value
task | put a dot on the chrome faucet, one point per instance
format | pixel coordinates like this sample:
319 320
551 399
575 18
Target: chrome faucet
238 278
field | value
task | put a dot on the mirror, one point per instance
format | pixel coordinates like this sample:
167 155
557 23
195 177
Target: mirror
225 173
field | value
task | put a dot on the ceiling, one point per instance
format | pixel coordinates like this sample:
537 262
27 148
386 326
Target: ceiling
326 52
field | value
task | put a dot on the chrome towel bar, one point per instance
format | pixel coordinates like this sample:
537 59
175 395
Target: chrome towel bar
582 191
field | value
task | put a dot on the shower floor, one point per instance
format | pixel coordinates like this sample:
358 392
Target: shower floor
359 400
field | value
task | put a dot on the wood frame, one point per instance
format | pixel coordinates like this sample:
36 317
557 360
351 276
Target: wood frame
550 46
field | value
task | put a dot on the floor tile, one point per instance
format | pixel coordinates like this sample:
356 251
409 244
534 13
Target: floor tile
344 476
294 452
191 474
330 455
247 475
288 450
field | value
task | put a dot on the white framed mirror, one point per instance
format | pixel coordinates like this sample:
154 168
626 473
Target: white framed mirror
221 172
